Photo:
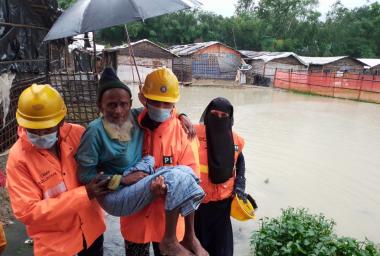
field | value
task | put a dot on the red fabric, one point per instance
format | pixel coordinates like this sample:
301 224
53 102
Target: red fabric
2 178
347 86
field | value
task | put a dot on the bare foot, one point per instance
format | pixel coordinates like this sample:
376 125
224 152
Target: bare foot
173 248
158 186
194 245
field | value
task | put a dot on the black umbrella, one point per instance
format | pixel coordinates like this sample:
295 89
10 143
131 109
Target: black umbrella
91 15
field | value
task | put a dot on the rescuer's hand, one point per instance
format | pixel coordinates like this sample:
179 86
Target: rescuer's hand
98 186
187 126
239 188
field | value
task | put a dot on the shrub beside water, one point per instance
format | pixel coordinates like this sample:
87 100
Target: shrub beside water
296 232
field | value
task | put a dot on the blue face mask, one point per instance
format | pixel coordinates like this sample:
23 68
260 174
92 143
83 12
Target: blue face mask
42 142
158 114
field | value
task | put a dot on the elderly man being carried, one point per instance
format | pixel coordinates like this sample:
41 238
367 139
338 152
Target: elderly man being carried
113 144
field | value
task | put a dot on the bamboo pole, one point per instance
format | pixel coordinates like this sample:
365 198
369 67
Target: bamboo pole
22 25
21 61
93 40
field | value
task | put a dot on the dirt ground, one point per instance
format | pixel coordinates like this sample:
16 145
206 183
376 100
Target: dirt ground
5 211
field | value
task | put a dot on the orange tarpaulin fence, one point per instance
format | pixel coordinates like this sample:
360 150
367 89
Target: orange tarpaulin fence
339 85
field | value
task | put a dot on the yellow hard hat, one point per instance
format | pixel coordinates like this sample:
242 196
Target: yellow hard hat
161 85
40 107
241 210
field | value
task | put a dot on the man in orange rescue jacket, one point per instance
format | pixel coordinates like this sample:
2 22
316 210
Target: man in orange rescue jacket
164 139
222 168
60 215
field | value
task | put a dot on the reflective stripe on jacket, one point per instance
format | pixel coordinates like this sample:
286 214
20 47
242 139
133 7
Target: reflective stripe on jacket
215 192
169 146
46 196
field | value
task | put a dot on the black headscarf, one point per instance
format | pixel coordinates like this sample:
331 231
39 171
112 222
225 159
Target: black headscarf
220 142
109 80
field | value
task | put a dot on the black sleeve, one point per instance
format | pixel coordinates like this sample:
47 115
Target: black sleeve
240 165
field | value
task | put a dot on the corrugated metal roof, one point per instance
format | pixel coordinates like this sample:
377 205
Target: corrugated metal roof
269 56
370 62
124 46
320 60
326 60
252 54
189 49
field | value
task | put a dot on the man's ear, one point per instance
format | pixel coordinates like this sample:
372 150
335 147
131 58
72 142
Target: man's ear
59 125
142 99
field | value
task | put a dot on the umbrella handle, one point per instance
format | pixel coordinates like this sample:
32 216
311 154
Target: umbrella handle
133 56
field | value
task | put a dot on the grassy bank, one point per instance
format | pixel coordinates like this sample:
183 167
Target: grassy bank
297 232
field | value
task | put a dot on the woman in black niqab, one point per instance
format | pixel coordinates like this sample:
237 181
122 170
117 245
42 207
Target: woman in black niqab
218 120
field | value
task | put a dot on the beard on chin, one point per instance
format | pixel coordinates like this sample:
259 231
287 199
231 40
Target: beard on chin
121 132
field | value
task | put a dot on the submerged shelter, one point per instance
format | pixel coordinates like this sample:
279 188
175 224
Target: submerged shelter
373 66
334 64
207 60
264 65
148 56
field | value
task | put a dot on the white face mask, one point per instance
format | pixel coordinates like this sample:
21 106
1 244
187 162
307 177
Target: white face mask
44 141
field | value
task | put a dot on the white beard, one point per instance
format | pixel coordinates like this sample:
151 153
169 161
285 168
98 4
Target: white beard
118 132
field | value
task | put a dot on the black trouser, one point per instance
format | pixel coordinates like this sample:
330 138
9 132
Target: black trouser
133 249
96 249
213 227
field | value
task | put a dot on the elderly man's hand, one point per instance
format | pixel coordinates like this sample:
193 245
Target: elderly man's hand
133 177
98 186
158 186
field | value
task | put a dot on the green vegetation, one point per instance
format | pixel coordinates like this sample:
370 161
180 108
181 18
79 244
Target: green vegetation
296 232
269 25
64 4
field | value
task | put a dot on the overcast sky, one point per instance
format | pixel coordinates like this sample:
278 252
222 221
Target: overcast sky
227 7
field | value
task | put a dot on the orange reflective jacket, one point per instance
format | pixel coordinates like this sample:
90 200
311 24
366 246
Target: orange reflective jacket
46 196
169 145
215 192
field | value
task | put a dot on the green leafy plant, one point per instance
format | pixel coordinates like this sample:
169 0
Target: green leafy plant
296 232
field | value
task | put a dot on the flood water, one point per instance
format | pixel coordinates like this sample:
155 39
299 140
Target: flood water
301 151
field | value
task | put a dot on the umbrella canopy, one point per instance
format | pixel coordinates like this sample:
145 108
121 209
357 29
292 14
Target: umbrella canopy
91 15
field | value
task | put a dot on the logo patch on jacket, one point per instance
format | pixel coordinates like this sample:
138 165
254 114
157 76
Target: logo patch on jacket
167 159
45 176
236 147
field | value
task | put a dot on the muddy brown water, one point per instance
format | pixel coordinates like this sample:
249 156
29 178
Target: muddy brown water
302 151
